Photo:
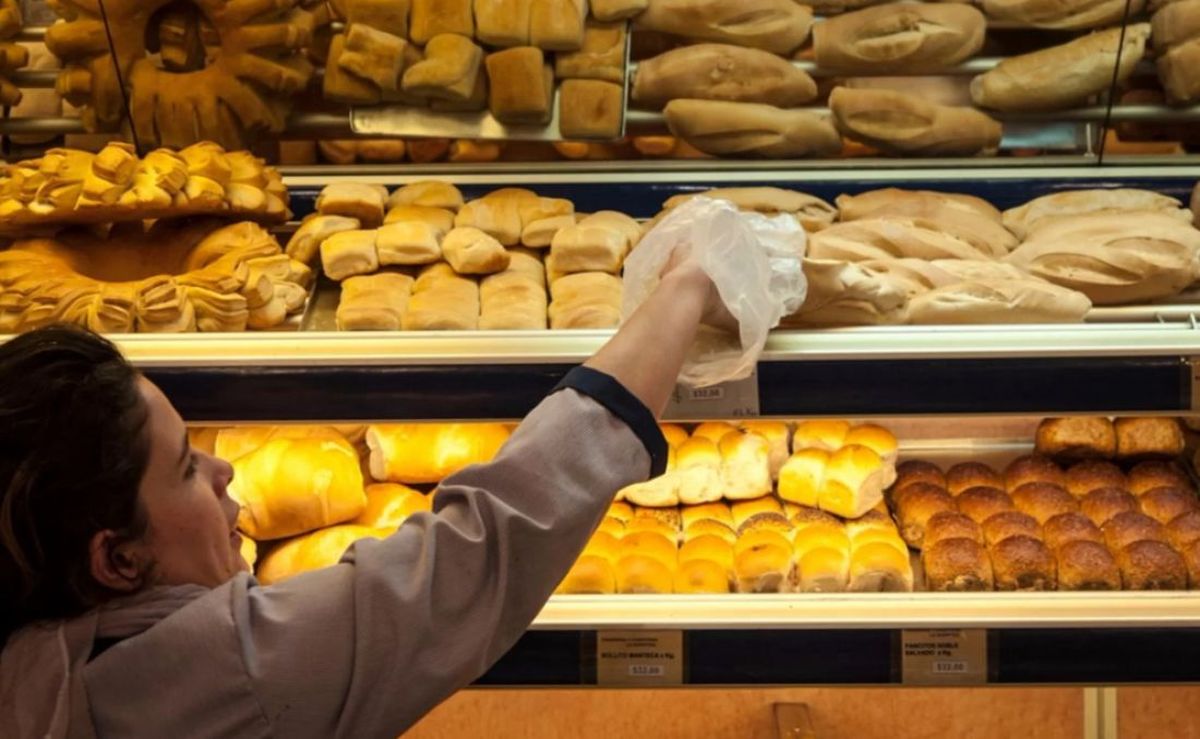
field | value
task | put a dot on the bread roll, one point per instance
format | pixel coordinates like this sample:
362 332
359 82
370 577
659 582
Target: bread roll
1146 476
374 302
951 526
1033 468
430 18
774 522
1077 438
364 203
1084 477
349 253
823 570
640 574
290 486
1074 15
1184 530
651 525
698 465
440 220
449 70
585 300
967 475
514 299
503 23
1086 565
1102 504
373 55
889 237
422 453
709 527
498 214
597 243
901 124
763 563
557 25
721 72
472 252
957 565
620 511
305 243
1152 565
777 26
751 129
613 526
314 551
1000 526
853 482
1024 219
589 575
1140 438
408 243
1114 258
777 434
341 86
389 505
1023 563
981 503
1062 76
803 476
804 517
910 38
1166 504
877 439
921 502
743 510
915 471
701 576
602 56
591 109
617 10
1068 527
427 194
442 301
878 567
745 466
827 435
709 547
1176 69
1125 528
715 511
1043 500
521 87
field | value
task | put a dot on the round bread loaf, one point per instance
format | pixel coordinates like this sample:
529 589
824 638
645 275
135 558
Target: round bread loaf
967 475
1023 563
942 526
1087 565
1168 503
1152 565
915 505
1033 468
1092 474
1156 474
957 564
1068 527
1043 500
1126 528
1184 530
916 470
1001 526
981 503
1102 504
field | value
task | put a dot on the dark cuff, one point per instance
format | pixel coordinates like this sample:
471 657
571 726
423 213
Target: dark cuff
611 394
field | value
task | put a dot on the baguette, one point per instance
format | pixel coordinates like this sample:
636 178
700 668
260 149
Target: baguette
778 26
889 237
1024 219
896 123
751 129
721 72
999 301
962 216
1069 15
809 211
1061 76
846 294
905 38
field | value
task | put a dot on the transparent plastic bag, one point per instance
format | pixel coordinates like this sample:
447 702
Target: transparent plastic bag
755 263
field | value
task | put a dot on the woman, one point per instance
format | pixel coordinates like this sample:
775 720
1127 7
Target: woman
129 612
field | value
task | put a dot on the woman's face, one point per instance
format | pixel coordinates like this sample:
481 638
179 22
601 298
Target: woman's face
191 537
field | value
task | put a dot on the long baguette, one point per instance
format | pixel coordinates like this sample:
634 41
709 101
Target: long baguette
751 129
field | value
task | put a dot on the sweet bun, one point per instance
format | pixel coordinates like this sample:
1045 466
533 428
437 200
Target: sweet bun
1068 527
673 433
1077 438
981 503
915 505
804 517
699 576
670 517
620 510
767 521
1156 474
820 537
604 544
763 563
1184 530
1087 565
854 481
650 544
1023 563
972 474
880 567
827 435
714 431
639 574
710 547
803 476
957 564
651 525
943 526
823 570
1152 565
1125 528
1148 438
611 525
916 470
1166 504
589 575
716 511
1102 504
1001 526
742 510
877 439
1043 500
876 518
1084 477
1033 468
709 527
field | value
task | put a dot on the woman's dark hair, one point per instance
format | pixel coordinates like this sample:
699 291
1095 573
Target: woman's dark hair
73 450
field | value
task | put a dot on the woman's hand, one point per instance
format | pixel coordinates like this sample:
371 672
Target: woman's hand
685 277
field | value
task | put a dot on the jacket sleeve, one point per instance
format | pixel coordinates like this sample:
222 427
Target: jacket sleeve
367 647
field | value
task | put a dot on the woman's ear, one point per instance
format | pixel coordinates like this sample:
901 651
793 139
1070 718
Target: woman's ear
116 564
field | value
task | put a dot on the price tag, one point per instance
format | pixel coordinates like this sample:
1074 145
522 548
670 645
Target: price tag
738 399
639 658
1194 371
944 656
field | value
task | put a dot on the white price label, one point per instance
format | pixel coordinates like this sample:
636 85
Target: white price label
639 658
738 399
943 656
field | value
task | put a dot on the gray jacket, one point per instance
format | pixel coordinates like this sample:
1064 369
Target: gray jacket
361 649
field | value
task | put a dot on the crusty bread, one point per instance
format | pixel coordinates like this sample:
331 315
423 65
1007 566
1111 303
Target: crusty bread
889 237
721 72
449 71
521 86
1073 15
617 10
1062 76
1023 219
557 25
751 129
999 301
374 55
907 38
374 302
1176 24
778 26
591 109
810 211
900 124
602 56
842 293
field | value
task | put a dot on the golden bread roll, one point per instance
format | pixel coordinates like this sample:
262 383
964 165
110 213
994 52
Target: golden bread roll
915 505
1000 526
502 22
914 471
589 575
1141 438
716 511
1124 529
640 574
248 550
364 203
442 300
314 551
714 431
1024 219
745 466
708 547
591 109
722 128
472 252
777 26
911 38
948 525
389 504
305 243
699 576
863 536
698 471
1166 504
429 194
876 438
440 219
709 527
1033 468
673 433
349 253
803 476
620 511
604 544
373 55
1152 565
650 544
1068 527
820 536
1023 563
1102 504
854 481
900 124
804 517
957 564
1146 476
613 526
967 475
651 525
1043 500
1084 477
763 563
290 486
1176 71
743 510
234 442
880 567
602 56
1077 438
776 522
823 570
557 25
778 437
1183 530
420 453
721 72
1087 565
669 516
981 503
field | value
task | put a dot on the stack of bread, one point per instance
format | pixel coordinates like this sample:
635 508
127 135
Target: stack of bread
424 259
1040 526
227 73
503 56
13 56
1176 34
68 186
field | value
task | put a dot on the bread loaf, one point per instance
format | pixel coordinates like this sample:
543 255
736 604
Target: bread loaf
442 301
449 71
374 302
429 194
810 211
591 109
1148 438
1024 219
602 56
305 243
901 124
521 86
843 293
889 237
721 72
514 299
751 129
1080 437
373 55
1073 14
1116 258
777 26
424 453
1062 76
557 25
503 23
999 301
585 300
908 38
431 18
352 200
